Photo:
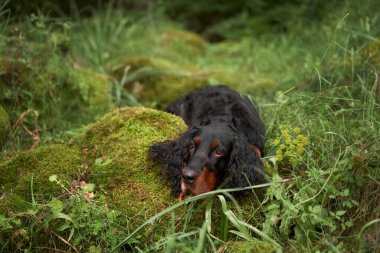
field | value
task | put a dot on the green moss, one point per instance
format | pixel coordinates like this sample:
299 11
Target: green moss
131 179
149 79
184 40
97 92
16 174
250 247
4 125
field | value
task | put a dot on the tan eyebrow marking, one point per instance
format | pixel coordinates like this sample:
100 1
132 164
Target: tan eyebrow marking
214 144
197 140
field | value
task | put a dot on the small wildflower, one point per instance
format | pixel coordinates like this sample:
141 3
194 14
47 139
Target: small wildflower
300 149
296 130
305 140
284 132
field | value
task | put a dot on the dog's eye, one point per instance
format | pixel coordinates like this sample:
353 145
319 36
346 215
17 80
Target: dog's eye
191 146
218 152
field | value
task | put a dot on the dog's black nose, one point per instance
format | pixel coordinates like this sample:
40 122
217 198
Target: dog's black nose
189 175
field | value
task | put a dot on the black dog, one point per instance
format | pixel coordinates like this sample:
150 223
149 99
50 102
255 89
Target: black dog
222 146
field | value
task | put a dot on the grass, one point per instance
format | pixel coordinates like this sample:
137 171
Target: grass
319 80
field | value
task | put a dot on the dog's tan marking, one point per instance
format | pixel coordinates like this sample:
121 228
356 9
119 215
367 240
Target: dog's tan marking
256 149
205 182
214 144
197 140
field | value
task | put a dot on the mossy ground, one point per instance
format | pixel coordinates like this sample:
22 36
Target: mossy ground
31 170
250 247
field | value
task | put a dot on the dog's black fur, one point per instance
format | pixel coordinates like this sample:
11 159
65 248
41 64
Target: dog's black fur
214 113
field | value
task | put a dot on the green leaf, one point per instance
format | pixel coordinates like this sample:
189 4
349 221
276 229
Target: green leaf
16 222
108 161
98 161
4 223
55 205
88 187
340 213
208 220
102 198
53 178
346 192
354 202
62 216
202 238
317 209
63 227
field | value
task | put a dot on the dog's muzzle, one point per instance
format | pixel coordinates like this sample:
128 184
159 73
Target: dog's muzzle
195 183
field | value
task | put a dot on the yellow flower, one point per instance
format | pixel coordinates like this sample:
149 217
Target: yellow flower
305 140
276 142
300 150
282 146
297 130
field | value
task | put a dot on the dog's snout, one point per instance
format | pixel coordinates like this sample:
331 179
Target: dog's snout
189 175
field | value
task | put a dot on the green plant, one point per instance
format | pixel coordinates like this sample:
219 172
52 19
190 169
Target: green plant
78 221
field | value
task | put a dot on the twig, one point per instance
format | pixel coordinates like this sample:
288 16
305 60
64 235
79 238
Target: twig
65 241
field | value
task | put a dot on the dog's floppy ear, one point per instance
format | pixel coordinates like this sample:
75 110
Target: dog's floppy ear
172 156
245 167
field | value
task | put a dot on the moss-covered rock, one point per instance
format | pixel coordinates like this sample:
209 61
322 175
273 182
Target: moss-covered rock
31 170
121 139
4 125
250 247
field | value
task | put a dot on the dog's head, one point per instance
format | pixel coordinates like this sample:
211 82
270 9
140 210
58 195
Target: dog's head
208 156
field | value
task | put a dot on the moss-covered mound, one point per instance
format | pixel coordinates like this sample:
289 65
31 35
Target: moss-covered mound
31 170
4 125
121 141
150 78
114 158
